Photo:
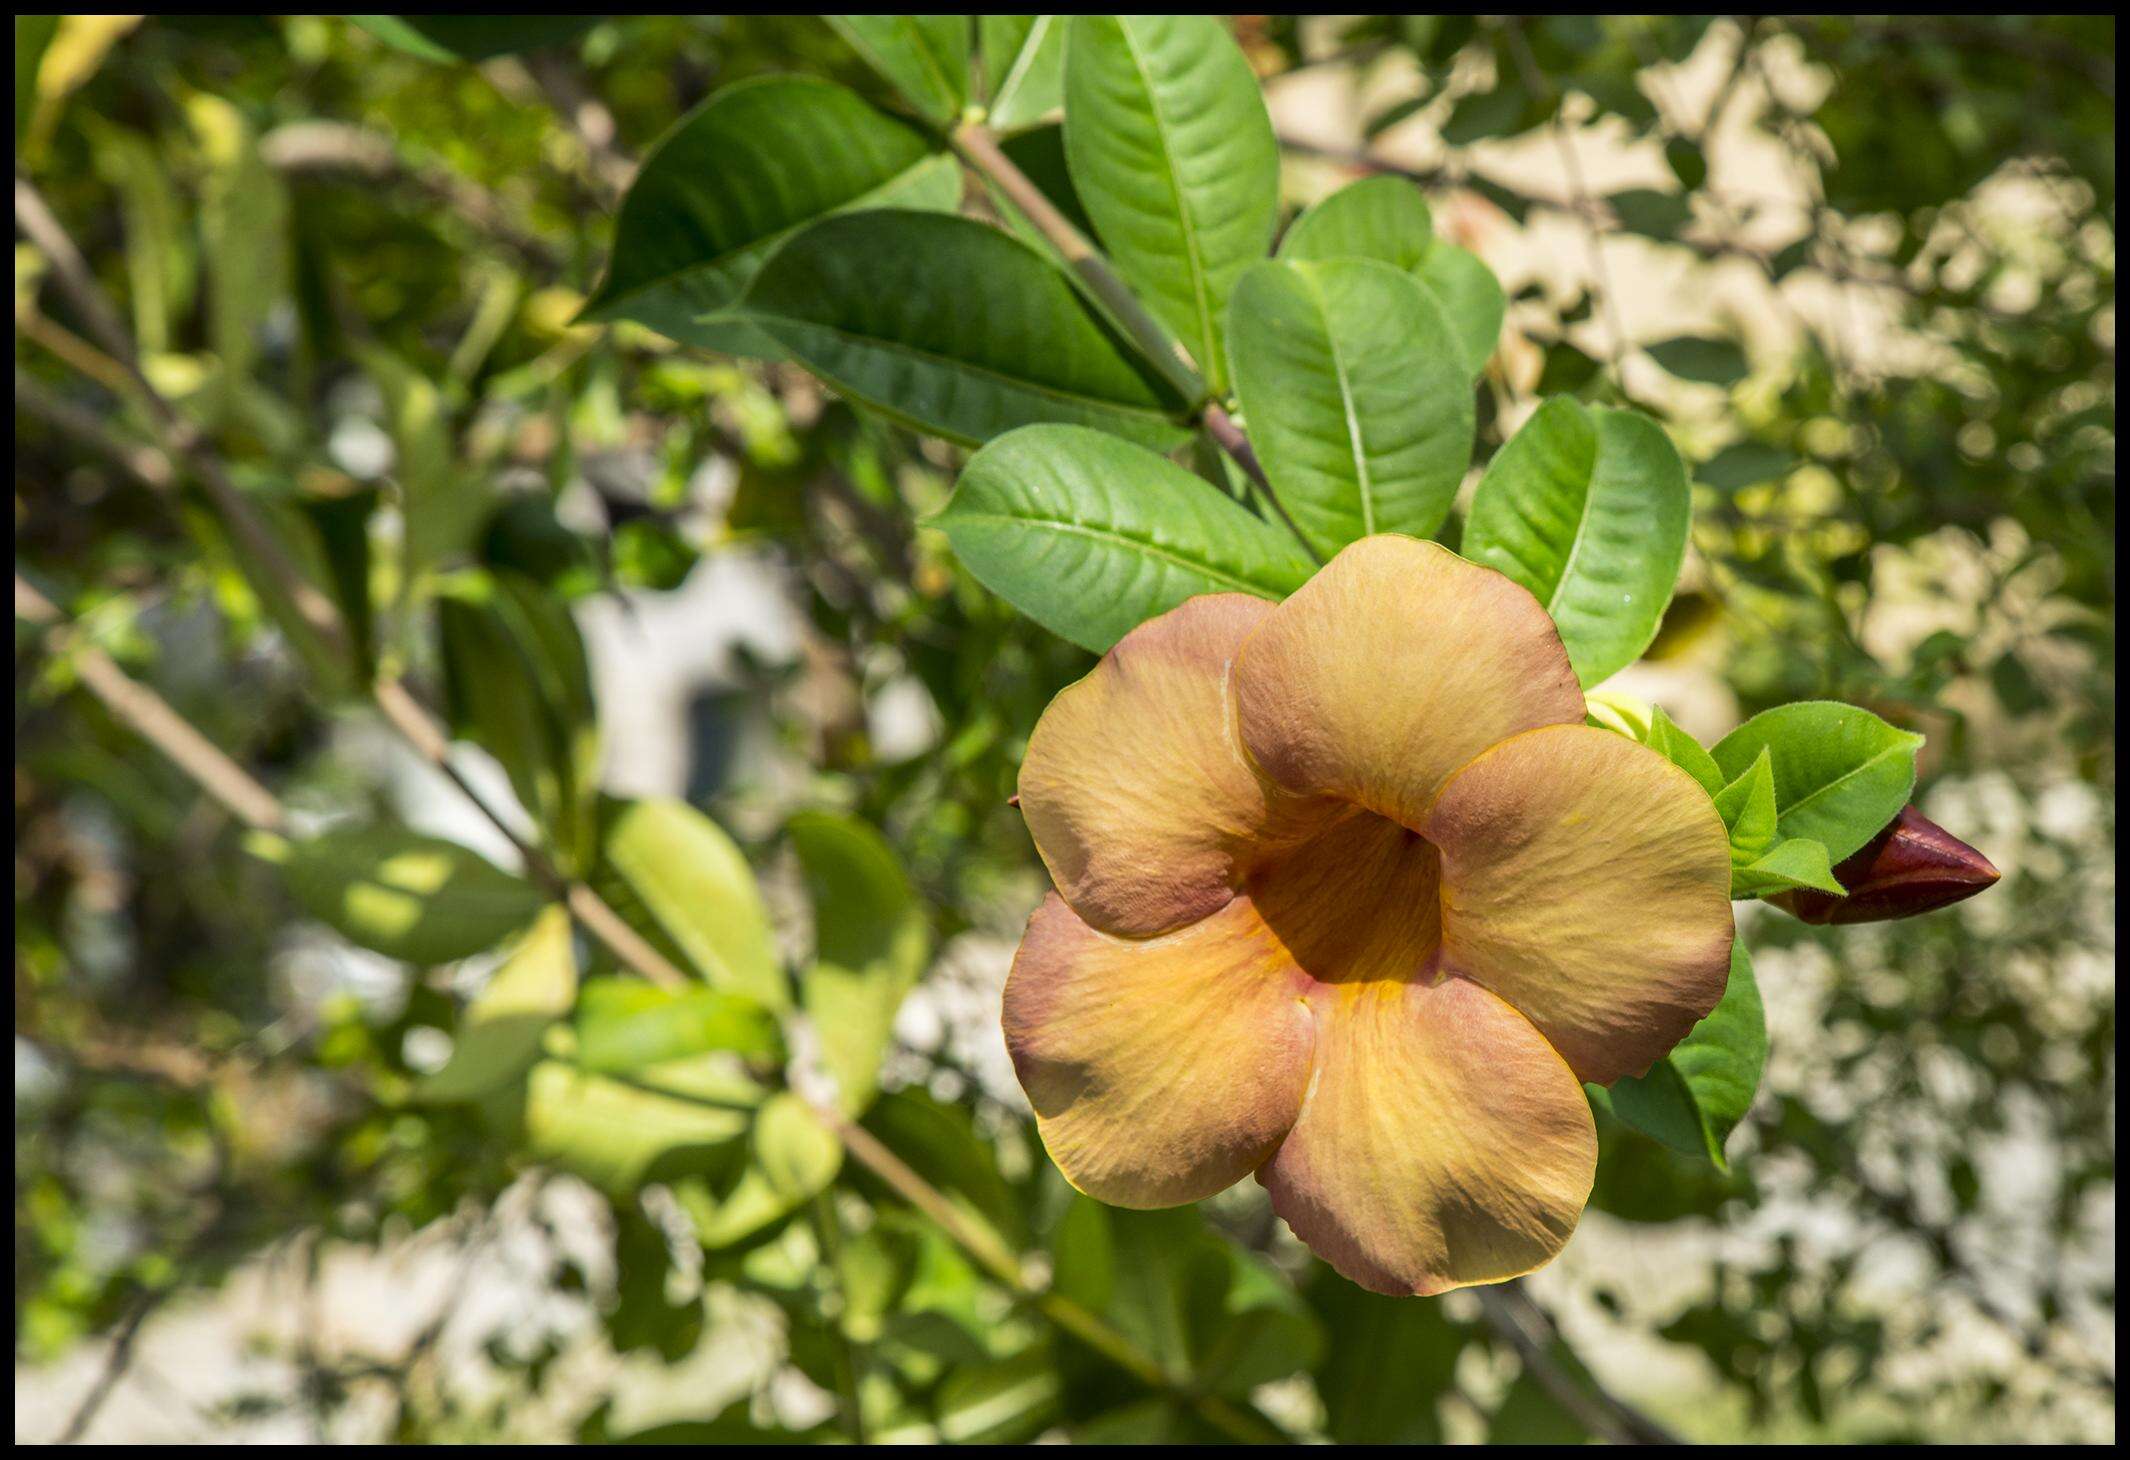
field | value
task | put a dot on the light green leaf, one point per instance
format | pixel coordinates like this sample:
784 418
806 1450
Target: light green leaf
1386 219
924 57
1796 863
1588 508
698 889
1692 1099
1172 153
673 1119
1024 59
1841 773
1682 750
739 175
499 1034
953 327
1355 397
870 946
1091 536
412 897
442 501
1002 1402
625 1024
791 1156
1747 806
1471 297
1382 218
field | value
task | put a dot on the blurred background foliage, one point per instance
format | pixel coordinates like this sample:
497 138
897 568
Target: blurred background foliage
1863 268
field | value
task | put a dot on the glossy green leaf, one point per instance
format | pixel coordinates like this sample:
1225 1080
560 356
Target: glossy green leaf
870 946
954 327
498 1037
1747 805
405 895
1693 1098
697 887
1797 863
1707 361
1841 773
924 57
1682 750
739 175
450 38
1386 219
1355 395
1024 63
625 1024
1173 155
1091 536
614 1130
1588 508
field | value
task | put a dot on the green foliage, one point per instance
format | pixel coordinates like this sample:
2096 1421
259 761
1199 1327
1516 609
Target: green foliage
1091 536
1587 508
356 263
1173 157
1354 392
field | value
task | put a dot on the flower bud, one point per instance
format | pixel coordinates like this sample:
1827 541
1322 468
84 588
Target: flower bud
1913 866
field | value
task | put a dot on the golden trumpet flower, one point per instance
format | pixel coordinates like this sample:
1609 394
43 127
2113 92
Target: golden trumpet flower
1348 896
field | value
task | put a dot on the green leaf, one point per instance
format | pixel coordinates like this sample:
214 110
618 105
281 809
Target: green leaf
1355 394
408 896
870 946
1692 1099
517 684
1003 1402
1682 750
1024 60
625 1024
1472 298
442 501
735 178
1797 863
1744 464
1747 806
1710 362
1172 152
951 326
1369 1336
1588 508
924 57
697 887
941 1143
791 1157
451 38
33 35
1382 218
1841 773
499 1034
1386 219
672 1119
1091 536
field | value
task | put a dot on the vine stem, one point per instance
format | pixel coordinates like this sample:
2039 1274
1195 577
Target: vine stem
977 146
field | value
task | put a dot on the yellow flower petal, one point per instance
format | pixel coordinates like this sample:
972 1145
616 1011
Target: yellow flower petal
1444 1143
1392 667
1134 786
1161 1070
1586 880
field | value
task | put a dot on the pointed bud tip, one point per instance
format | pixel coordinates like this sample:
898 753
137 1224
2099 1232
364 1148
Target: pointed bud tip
1912 867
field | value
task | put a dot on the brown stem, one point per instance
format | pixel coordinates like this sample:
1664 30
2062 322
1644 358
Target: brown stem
1524 1326
149 715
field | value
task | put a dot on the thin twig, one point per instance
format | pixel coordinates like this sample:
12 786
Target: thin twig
150 716
1524 1326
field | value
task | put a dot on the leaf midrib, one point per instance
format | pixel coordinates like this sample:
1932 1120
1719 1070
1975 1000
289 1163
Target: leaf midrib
1112 535
1193 257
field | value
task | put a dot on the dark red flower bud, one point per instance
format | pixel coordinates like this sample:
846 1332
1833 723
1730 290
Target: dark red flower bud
1913 866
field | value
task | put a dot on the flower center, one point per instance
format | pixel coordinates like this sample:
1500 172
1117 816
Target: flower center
1357 898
